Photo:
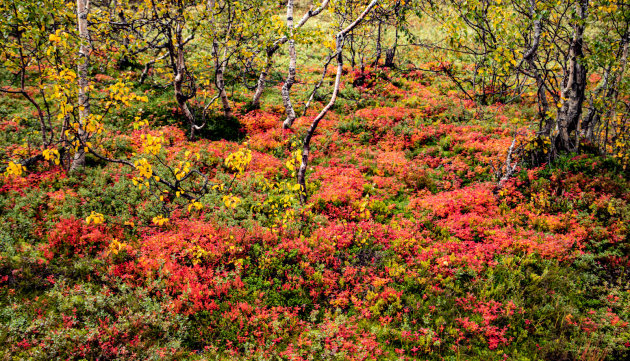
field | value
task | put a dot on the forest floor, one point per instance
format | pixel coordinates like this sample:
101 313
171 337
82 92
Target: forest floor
406 248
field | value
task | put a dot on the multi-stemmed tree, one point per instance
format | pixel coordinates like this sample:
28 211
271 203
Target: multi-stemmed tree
552 46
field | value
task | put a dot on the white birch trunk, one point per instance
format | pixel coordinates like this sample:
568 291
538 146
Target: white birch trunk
83 8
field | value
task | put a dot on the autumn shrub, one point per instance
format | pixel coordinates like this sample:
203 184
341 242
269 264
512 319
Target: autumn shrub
418 178
20 210
120 323
72 237
406 247
23 273
339 186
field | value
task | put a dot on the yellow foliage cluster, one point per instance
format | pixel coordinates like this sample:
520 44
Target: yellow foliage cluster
294 162
93 124
58 39
116 246
152 144
231 201
95 218
160 221
239 160
195 205
540 201
278 206
182 170
121 93
51 155
364 212
146 172
14 169
139 123
197 254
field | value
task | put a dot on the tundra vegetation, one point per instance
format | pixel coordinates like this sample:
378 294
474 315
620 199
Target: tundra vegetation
314 180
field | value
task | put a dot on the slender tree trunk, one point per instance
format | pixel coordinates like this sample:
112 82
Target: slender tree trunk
125 59
353 54
179 68
594 113
262 79
573 87
613 95
390 53
83 8
378 46
220 65
286 88
530 57
610 83
306 147
543 104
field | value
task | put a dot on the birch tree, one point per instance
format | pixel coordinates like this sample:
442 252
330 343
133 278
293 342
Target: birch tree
340 39
83 9
271 50
552 47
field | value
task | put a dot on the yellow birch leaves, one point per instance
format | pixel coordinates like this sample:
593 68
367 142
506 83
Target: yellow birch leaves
51 155
160 220
116 246
236 162
95 218
145 171
231 201
152 144
15 169
239 160
294 162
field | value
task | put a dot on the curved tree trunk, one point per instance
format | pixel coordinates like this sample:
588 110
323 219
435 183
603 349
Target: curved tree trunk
306 147
573 87
262 79
180 77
